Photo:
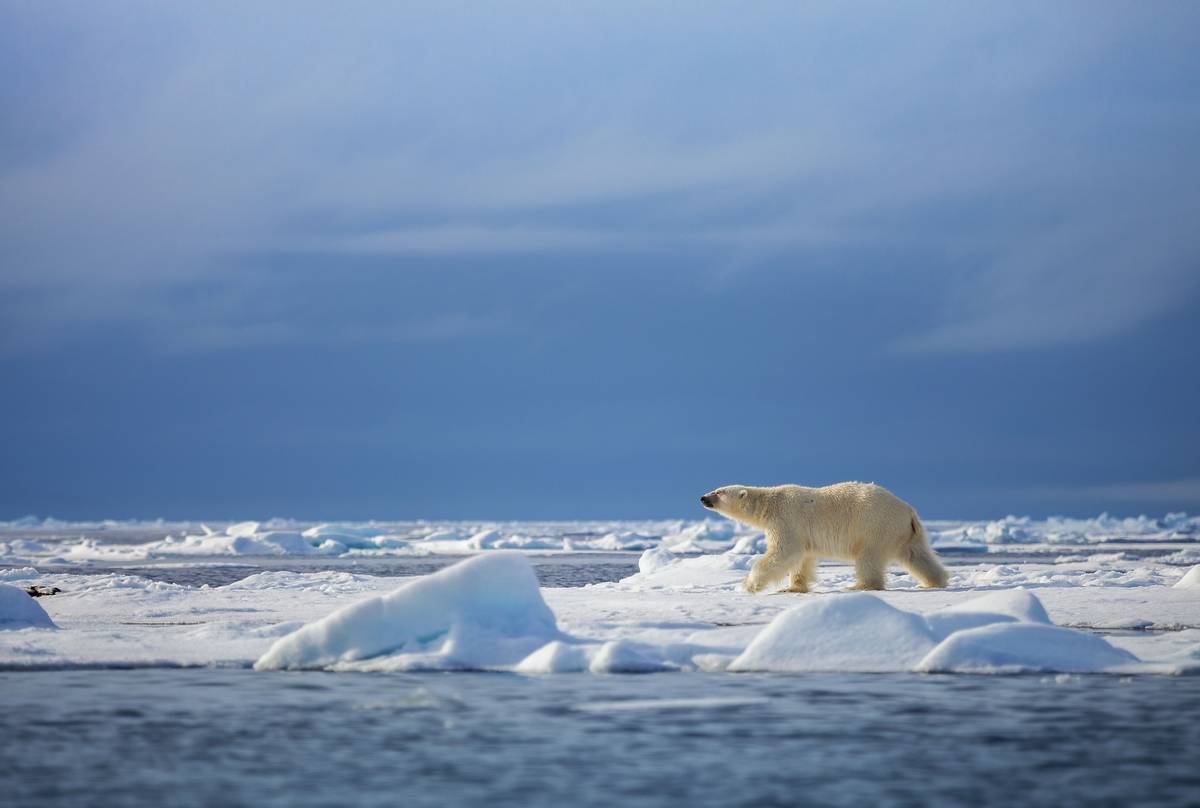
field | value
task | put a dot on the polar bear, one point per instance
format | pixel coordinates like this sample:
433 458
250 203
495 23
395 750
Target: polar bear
860 522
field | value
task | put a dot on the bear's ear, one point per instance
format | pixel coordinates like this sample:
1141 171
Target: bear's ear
742 493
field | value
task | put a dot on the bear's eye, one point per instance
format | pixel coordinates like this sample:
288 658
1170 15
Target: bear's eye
742 494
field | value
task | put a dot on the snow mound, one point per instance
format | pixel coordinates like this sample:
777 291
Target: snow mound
998 607
18 610
851 632
1004 632
1021 647
1190 579
484 612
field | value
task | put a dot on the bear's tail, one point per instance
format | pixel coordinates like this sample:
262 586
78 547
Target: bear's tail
921 561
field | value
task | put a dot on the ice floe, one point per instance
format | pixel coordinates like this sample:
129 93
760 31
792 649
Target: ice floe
483 612
18 610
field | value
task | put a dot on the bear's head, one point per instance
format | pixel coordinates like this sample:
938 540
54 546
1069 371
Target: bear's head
733 501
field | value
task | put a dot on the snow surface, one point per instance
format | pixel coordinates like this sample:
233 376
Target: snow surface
1024 595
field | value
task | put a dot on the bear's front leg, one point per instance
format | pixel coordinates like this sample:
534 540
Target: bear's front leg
764 571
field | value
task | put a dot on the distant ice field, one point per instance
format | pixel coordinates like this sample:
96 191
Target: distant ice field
55 541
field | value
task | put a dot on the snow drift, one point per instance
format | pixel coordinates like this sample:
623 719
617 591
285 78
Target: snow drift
484 612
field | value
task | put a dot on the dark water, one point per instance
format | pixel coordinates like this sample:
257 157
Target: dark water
560 570
208 737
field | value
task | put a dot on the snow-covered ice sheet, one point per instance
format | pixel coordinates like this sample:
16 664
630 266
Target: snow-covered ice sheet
1098 612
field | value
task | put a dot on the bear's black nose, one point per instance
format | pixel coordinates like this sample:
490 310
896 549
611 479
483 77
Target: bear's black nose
706 501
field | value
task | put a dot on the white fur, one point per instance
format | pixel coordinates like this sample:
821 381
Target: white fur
859 522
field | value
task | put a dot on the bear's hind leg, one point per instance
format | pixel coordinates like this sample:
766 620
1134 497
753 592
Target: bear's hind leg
923 564
803 577
869 572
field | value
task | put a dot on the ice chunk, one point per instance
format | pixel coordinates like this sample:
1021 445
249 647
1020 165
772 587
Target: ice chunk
1018 647
555 657
752 544
998 607
483 612
655 559
622 656
614 656
18 610
1190 579
850 632
689 572
622 541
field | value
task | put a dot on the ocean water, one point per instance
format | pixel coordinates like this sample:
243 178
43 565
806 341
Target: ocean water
235 737
211 736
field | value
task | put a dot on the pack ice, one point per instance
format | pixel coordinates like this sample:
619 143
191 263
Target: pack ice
488 613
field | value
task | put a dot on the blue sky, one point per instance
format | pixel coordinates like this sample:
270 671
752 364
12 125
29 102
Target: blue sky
545 261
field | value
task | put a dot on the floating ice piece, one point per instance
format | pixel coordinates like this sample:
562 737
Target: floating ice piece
1190 579
18 610
998 607
484 612
848 632
1020 647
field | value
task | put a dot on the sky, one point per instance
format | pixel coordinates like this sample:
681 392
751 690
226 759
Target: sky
591 260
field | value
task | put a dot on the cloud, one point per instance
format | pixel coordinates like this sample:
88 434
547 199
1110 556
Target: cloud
426 132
